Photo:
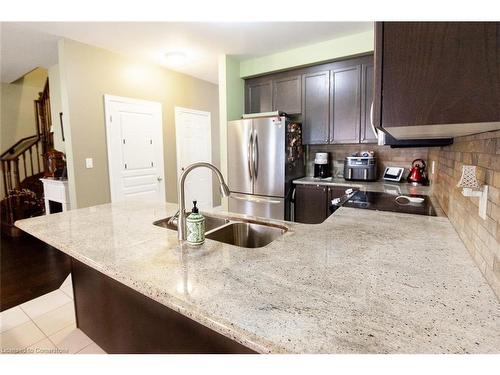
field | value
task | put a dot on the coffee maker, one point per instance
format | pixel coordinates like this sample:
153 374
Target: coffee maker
321 165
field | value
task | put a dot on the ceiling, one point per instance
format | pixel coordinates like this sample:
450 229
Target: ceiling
26 45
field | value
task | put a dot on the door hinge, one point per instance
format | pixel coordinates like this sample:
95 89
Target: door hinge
125 165
151 163
110 118
150 141
124 141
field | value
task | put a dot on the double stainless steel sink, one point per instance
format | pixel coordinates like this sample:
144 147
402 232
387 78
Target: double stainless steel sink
243 233
211 222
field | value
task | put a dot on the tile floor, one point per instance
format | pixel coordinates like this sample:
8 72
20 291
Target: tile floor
45 325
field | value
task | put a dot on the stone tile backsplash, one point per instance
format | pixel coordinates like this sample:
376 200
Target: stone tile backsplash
386 156
481 237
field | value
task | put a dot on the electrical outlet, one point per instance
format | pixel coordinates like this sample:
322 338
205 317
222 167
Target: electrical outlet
89 163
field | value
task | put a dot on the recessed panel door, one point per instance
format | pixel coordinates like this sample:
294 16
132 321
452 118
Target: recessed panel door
135 149
346 84
316 107
193 143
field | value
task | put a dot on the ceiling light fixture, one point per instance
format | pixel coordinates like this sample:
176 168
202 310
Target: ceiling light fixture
175 59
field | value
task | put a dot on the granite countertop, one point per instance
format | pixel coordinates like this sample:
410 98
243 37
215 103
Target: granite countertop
380 185
361 282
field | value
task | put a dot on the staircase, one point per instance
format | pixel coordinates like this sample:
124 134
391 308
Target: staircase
22 167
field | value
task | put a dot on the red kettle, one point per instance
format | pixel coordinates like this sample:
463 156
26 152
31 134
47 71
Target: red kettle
417 172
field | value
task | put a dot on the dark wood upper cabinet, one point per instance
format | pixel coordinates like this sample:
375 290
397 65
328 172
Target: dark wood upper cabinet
316 107
437 79
367 79
259 97
332 100
287 95
346 108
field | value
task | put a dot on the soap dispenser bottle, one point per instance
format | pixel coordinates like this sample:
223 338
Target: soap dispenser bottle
195 226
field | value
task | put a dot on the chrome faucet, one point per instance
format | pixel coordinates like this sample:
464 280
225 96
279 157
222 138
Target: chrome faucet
181 221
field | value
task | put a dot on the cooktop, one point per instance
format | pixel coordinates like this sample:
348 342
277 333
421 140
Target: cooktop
371 200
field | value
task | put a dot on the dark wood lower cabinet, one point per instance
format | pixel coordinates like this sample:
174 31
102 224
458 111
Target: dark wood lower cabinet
313 202
121 320
336 192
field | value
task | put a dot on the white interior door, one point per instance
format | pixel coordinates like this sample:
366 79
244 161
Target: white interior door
134 135
194 144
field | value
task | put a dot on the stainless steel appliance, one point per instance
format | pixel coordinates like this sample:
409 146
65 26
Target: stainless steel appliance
264 155
321 165
342 197
360 168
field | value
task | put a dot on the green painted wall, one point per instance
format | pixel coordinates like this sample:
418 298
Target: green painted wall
231 103
315 53
235 89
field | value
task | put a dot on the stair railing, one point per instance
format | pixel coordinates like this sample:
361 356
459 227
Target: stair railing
21 161
28 152
25 158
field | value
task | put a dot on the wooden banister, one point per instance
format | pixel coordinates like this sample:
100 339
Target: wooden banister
11 149
17 153
35 146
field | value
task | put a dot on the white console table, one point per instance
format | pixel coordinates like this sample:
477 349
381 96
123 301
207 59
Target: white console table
55 191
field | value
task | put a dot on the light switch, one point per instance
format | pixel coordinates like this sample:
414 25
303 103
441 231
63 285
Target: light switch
89 163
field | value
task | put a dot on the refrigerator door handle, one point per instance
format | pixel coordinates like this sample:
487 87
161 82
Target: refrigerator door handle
256 200
255 155
250 156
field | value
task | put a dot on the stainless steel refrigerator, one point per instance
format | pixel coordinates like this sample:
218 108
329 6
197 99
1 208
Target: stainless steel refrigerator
264 155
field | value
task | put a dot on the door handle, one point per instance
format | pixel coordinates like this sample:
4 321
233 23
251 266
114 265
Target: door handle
250 156
159 179
256 200
62 126
255 155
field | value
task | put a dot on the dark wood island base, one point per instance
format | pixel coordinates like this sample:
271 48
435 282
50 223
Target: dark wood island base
122 320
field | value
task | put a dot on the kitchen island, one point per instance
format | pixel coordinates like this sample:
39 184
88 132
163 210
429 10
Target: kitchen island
361 282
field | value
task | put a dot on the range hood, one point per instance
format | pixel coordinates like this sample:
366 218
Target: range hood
386 139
